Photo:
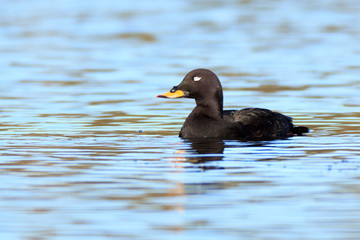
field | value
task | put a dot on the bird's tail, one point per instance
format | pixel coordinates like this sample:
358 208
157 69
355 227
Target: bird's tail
300 130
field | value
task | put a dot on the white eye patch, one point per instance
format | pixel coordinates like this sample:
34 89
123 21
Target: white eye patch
196 79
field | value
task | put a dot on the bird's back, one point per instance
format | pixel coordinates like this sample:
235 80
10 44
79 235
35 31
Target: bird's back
259 123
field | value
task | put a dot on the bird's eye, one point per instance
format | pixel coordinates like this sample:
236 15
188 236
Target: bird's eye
196 79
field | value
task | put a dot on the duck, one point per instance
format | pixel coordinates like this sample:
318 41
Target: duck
209 120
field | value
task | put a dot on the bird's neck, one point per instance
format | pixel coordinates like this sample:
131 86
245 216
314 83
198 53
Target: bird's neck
210 108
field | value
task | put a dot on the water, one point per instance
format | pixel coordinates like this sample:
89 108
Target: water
88 152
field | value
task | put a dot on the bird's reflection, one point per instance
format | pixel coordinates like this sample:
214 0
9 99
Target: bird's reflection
206 150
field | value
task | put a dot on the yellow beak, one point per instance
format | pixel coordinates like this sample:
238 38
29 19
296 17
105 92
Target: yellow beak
176 94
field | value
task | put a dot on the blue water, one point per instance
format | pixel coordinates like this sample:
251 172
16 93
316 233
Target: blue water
88 152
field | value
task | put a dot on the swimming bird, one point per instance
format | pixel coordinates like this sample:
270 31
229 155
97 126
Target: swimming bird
209 120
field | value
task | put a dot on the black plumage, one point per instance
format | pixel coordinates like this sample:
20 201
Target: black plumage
209 120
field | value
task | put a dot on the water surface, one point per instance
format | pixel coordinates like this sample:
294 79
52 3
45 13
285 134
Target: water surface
88 152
